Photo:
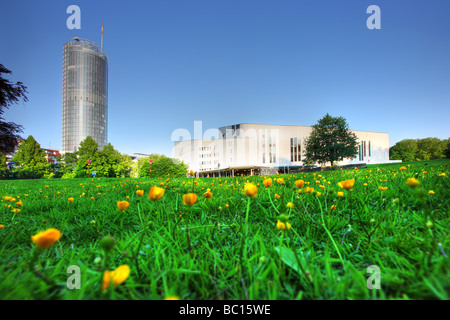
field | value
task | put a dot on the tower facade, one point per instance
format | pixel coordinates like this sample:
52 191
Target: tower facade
85 94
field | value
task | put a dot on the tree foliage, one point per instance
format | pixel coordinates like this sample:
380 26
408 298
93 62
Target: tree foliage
330 140
419 149
30 160
105 163
143 164
162 167
10 93
4 172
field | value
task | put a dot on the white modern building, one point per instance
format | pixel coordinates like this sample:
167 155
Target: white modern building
263 149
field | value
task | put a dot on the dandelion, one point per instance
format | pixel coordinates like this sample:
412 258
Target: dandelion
277 196
412 182
15 210
92 198
299 183
19 203
250 190
189 199
340 194
442 174
309 190
139 193
431 192
347 184
402 168
267 182
319 194
122 205
1 226
47 238
117 276
280 181
290 205
208 194
381 188
156 193
282 223
70 200
333 207
171 298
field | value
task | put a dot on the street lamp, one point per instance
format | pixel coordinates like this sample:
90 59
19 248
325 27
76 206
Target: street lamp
89 167
218 167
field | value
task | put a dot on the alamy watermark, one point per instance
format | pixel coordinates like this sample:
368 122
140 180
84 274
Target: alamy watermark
374 280
74 21
374 21
74 281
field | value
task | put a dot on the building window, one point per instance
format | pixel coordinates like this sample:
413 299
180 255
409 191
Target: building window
295 150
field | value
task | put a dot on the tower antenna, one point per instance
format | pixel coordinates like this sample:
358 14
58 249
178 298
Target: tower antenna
102 37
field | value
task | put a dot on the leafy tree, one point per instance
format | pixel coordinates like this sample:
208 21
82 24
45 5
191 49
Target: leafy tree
430 148
330 140
419 149
447 151
88 151
4 172
404 150
166 166
69 162
10 93
143 165
30 160
105 163
114 164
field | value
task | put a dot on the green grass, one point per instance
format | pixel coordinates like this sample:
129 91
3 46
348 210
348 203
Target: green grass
205 252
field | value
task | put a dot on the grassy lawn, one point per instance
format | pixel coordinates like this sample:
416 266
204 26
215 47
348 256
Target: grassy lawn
229 246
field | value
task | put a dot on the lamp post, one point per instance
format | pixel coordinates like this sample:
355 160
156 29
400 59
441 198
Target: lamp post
218 167
151 164
89 167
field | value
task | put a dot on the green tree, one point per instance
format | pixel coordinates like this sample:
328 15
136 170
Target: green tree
404 150
30 160
431 148
105 163
447 151
10 93
330 140
4 172
143 164
114 164
165 166
88 150
68 162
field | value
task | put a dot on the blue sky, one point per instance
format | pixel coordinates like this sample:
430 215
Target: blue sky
228 62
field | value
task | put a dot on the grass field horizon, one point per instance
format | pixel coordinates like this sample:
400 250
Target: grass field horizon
231 245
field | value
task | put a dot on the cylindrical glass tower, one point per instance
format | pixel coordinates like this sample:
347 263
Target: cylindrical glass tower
85 94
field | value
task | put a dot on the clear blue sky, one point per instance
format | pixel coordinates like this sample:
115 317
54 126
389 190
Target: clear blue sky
224 62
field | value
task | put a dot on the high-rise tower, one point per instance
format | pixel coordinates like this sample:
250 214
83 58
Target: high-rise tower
85 94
